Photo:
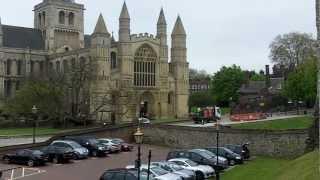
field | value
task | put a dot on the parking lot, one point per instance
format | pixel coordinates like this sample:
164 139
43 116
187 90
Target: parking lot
91 168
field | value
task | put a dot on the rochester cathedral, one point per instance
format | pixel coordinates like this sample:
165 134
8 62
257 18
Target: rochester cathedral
135 70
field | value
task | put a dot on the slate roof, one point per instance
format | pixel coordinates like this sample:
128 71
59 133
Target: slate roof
255 87
22 37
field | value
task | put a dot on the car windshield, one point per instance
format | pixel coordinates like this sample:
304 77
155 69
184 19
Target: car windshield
191 163
159 171
93 141
175 167
117 141
205 154
75 145
37 152
228 151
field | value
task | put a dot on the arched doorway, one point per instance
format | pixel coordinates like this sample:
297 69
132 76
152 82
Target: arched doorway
146 106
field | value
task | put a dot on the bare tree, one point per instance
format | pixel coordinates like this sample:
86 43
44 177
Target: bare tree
291 49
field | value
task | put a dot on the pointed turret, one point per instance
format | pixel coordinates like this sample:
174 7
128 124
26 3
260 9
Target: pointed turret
162 27
100 36
178 28
124 12
162 18
124 24
101 27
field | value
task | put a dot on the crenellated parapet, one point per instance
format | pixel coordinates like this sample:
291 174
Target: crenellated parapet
144 37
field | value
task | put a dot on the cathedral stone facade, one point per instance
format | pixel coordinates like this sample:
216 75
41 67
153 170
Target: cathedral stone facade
134 71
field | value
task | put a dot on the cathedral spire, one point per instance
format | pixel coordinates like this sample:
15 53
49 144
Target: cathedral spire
124 12
162 18
178 28
101 26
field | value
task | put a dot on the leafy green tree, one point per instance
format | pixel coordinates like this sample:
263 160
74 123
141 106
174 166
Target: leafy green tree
226 83
257 77
48 97
201 99
302 83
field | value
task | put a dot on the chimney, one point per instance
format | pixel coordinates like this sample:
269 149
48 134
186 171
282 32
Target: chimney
268 83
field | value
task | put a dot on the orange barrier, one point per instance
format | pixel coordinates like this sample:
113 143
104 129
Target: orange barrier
248 117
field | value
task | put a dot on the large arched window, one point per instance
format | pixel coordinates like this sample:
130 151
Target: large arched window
43 18
113 60
145 67
71 18
39 19
61 17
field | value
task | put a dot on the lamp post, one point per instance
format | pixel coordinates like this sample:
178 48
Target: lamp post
217 155
138 136
34 112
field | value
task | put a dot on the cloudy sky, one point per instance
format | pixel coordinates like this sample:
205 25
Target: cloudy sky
220 32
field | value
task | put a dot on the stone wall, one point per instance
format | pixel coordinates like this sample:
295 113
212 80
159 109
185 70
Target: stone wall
289 143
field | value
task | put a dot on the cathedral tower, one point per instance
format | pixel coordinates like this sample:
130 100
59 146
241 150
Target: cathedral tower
180 68
100 64
61 22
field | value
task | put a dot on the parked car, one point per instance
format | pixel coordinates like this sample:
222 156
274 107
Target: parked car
157 172
123 174
92 144
58 154
176 169
233 158
112 147
201 171
124 146
200 156
79 152
26 157
242 150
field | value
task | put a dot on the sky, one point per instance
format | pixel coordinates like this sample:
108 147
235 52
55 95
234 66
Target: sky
220 32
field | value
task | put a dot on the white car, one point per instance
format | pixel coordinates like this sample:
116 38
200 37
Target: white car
157 173
112 147
144 121
202 171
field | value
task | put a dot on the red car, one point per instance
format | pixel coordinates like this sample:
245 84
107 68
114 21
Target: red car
124 146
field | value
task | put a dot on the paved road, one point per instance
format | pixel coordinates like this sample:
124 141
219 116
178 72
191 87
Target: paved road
22 140
92 168
226 121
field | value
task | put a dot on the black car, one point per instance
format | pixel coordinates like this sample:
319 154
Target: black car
57 154
92 144
122 174
199 157
233 158
242 150
26 157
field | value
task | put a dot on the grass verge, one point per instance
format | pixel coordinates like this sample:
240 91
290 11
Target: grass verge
281 124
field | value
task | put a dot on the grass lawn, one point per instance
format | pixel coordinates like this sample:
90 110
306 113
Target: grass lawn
28 131
263 168
281 124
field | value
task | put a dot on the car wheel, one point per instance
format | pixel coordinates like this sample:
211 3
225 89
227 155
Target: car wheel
55 159
199 175
30 163
6 160
75 156
94 153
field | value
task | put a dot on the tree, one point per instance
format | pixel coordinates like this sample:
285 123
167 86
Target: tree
201 99
291 49
48 97
226 83
196 74
301 84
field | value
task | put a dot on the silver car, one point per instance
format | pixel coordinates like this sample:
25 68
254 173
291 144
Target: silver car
157 173
176 169
80 151
202 171
112 147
